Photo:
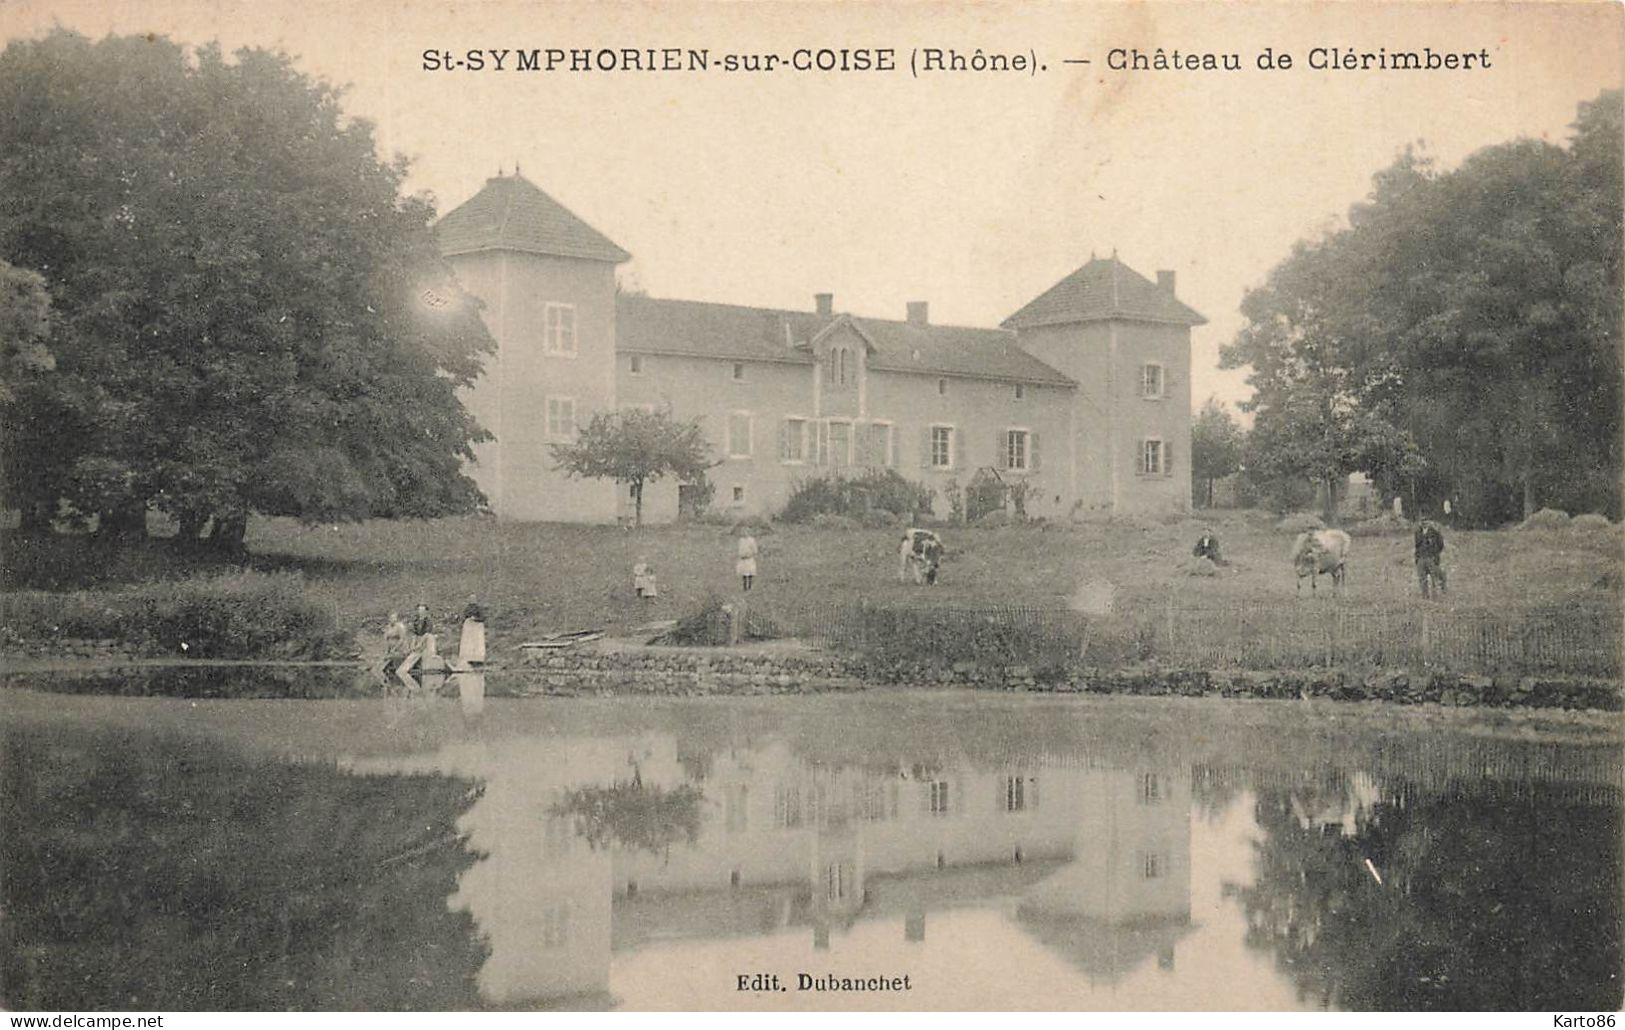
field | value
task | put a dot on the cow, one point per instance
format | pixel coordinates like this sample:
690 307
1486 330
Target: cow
920 554
1322 550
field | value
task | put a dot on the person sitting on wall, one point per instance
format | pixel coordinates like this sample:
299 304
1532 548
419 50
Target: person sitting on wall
395 645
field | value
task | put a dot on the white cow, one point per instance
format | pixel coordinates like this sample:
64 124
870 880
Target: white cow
1322 550
920 554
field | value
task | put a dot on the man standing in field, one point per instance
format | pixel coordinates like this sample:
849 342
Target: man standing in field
1429 551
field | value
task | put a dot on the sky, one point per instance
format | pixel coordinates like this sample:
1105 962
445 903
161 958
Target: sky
973 191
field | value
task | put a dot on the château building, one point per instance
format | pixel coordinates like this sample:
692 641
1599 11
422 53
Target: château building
1083 393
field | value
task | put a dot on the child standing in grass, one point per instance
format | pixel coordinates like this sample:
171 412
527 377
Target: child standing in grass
745 566
643 579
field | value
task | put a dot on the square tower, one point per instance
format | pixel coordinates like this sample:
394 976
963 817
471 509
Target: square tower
547 282
1127 342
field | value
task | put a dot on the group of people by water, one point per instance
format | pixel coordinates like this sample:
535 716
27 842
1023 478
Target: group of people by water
406 645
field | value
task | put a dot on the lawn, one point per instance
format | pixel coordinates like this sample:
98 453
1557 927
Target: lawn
538 578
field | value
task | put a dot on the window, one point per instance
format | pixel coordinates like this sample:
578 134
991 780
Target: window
793 440
1152 458
1151 789
739 496
837 881
1016 450
635 364
739 435
942 387
787 807
875 448
561 417
1020 793
739 371
942 447
937 798
1021 391
840 443
559 330
1151 381
1152 865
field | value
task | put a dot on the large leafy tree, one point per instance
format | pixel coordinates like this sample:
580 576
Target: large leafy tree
1216 442
1461 336
250 315
636 447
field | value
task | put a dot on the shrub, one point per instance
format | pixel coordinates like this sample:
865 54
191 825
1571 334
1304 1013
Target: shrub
855 496
239 615
1591 522
1546 518
842 523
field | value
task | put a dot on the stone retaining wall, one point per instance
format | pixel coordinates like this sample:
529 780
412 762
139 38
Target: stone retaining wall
678 673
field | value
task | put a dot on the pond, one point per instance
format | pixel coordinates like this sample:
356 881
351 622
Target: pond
458 851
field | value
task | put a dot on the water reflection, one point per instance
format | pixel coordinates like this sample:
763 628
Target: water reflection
1003 855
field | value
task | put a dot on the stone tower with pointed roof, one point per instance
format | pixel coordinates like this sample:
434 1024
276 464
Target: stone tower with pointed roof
1126 341
547 280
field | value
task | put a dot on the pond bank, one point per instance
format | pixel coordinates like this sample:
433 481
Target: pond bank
688 671
785 667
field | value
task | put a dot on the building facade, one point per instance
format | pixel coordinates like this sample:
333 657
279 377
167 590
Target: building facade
1083 394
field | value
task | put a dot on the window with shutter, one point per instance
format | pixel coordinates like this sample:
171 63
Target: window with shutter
1032 451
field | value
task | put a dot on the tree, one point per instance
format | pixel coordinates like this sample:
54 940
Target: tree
250 316
1216 441
1313 419
635 447
25 384
1460 337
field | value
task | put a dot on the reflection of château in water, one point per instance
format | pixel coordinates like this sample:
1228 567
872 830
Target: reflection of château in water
1096 859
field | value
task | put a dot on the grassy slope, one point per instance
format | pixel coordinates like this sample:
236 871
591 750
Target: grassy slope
535 578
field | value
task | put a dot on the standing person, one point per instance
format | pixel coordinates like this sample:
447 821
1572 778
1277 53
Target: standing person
745 567
472 647
643 579
1429 551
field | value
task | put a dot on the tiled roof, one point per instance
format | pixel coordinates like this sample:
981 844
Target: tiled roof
1104 288
511 213
768 334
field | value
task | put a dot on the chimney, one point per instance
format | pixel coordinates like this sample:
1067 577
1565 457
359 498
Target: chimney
1165 281
825 303
919 312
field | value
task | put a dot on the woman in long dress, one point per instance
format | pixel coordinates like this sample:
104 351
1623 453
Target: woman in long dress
745 567
472 647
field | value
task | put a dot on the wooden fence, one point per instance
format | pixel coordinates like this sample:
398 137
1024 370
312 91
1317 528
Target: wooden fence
1574 640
